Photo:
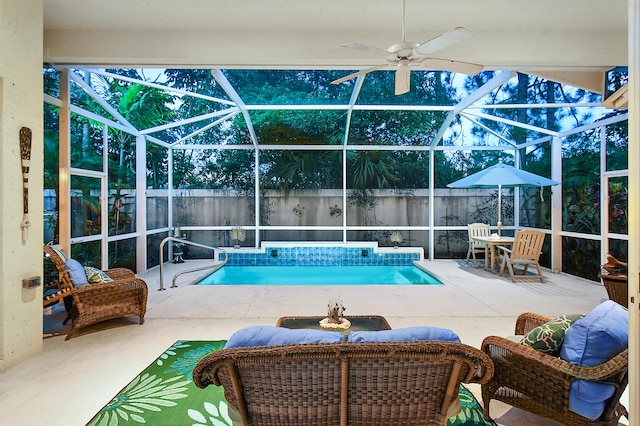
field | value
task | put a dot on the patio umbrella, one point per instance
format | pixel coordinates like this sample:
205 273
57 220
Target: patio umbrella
500 175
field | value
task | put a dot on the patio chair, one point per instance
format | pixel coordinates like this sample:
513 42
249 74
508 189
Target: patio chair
374 384
540 383
615 280
526 250
123 296
477 230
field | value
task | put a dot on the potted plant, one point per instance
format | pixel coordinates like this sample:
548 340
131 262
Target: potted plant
238 234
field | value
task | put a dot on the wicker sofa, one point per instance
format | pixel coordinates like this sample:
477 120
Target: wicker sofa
407 383
123 296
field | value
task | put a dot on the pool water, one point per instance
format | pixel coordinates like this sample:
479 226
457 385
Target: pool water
319 275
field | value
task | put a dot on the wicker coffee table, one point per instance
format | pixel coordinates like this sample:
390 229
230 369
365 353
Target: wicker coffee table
358 322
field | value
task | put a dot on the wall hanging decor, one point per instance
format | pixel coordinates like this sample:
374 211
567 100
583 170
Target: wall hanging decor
298 210
238 234
396 238
25 150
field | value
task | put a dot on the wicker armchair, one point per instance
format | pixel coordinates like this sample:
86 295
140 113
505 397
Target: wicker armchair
125 296
539 383
344 383
615 280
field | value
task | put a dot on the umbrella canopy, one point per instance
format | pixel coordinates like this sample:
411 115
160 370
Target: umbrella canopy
500 175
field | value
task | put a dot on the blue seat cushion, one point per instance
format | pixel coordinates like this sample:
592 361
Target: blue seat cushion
588 398
273 336
592 340
408 334
76 273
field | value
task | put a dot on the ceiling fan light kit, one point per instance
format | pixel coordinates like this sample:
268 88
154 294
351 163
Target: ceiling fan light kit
403 55
403 77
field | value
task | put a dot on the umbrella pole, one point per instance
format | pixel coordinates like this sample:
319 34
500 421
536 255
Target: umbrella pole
499 210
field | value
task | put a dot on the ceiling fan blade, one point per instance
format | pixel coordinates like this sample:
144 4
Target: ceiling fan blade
444 40
368 49
403 78
452 66
356 74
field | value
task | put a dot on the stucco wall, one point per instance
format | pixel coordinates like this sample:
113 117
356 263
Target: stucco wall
21 104
301 210
453 207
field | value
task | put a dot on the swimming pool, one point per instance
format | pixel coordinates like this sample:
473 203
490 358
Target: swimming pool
319 275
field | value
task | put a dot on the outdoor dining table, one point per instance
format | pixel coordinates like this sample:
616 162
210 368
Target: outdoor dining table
490 244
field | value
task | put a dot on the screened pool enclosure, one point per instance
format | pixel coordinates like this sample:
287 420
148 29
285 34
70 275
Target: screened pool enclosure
238 157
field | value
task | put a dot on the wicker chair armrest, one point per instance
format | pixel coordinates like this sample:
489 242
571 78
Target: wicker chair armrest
119 273
613 277
548 365
527 321
206 371
60 294
103 290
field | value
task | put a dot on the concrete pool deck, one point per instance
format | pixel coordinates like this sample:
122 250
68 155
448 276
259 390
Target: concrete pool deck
93 367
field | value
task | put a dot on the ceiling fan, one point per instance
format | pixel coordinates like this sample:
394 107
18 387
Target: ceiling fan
406 53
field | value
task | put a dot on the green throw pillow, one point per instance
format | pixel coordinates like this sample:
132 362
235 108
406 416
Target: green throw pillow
549 336
96 276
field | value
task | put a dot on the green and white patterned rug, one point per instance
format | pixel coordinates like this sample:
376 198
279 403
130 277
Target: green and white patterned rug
164 394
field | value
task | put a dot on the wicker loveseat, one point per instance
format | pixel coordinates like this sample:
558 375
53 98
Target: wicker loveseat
541 383
123 296
408 383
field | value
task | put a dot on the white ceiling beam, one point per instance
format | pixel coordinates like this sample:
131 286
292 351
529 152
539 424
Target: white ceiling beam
158 141
103 103
235 97
511 122
352 102
541 105
189 121
355 106
591 126
160 86
487 129
93 116
207 127
591 80
474 97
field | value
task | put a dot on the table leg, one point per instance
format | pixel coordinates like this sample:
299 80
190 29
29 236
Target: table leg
490 258
493 258
486 257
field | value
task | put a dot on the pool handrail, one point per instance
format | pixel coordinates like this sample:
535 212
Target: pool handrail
192 243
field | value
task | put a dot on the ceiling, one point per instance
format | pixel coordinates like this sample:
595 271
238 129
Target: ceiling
561 40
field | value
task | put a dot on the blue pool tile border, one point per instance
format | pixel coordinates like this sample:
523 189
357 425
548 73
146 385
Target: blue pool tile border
320 256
